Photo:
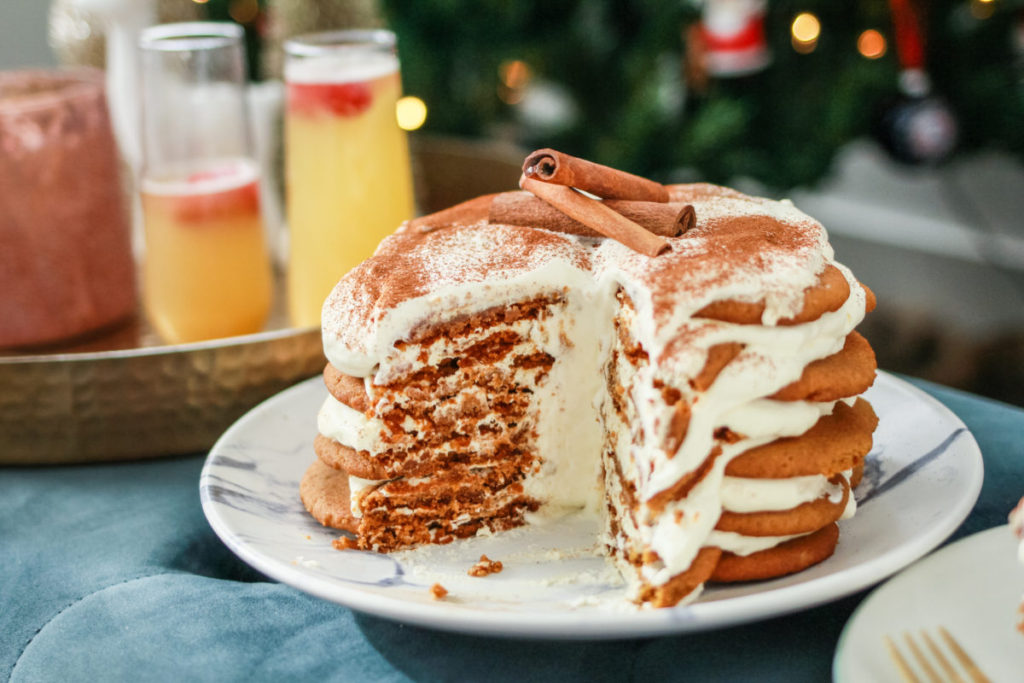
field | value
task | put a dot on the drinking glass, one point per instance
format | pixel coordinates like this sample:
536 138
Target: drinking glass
207 270
349 182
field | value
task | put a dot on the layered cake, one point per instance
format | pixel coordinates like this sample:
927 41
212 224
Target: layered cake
696 386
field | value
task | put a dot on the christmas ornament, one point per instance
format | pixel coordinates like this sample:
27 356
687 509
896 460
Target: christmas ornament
730 39
917 127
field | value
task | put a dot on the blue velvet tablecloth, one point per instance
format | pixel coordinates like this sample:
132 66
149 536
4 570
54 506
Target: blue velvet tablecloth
110 573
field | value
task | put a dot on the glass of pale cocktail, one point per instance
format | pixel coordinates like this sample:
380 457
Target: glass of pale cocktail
207 271
349 183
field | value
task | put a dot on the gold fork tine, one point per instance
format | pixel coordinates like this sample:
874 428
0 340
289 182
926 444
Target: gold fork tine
946 665
924 663
901 664
972 669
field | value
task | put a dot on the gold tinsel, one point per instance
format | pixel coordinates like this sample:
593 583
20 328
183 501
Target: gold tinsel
288 18
76 36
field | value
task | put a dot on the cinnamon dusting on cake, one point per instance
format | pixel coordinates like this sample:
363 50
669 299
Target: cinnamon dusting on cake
753 247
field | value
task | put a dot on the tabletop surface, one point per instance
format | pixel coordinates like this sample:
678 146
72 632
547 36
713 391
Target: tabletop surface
111 572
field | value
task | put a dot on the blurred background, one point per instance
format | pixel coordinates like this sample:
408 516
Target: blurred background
899 124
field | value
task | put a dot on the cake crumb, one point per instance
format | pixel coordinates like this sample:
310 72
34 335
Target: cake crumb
438 592
345 543
309 564
485 566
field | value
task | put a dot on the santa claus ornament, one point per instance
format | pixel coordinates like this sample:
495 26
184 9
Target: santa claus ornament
916 127
732 38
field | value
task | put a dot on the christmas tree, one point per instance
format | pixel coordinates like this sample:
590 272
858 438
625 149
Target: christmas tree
617 69
651 87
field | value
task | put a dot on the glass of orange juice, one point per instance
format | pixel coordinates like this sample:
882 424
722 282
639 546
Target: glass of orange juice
206 272
348 179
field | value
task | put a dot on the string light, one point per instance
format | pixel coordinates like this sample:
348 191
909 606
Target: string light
805 31
411 112
871 44
244 11
982 9
515 75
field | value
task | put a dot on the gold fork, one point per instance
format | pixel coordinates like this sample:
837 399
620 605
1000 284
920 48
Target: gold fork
938 659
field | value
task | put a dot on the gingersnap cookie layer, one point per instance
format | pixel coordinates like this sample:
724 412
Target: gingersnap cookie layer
836 443
856 475
719 356
870 300
789 557
347 389
827 295
681 585
849 372
802 519
324 492
339 457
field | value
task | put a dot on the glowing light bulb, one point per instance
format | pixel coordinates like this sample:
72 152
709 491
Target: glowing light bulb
806 28
804 32
244 11
982 9
515 73
411 112
871 44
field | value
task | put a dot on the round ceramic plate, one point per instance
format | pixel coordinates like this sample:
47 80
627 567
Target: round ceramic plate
972 587
921 480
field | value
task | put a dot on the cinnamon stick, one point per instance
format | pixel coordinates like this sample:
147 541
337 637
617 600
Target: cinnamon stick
605 182
523 208
467 213
669 219
594 214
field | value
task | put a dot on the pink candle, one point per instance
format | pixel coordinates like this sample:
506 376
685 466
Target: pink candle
66 264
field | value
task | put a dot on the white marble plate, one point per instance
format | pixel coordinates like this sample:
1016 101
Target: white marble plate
972 587
922 479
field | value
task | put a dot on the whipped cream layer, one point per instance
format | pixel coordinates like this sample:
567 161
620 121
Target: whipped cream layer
347 426
766 495
742 248
741 545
